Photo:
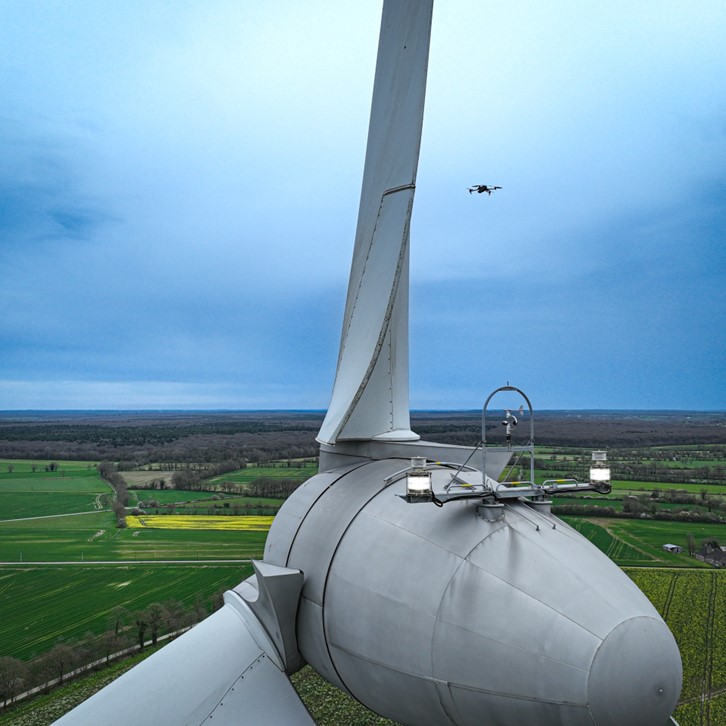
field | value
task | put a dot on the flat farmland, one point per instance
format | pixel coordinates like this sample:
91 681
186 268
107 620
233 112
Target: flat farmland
616 548
41 605
190 522
251 473
649 486
31 467
693 604
166 496
653 534
639 542
95 537
72 487
145 477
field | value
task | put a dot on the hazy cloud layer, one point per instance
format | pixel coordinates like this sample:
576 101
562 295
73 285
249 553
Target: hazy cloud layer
179 185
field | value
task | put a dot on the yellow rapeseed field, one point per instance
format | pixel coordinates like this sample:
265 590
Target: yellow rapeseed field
193 521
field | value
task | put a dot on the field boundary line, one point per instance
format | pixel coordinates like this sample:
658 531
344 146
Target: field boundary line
606 525
52 516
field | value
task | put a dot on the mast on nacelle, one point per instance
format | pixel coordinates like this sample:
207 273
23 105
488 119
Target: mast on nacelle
370 394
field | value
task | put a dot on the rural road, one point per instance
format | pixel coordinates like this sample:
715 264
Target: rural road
51 516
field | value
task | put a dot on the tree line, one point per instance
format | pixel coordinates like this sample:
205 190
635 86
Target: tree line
109 474
645 506
127 632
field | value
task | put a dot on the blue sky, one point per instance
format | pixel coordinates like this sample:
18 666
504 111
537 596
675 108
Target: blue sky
179 185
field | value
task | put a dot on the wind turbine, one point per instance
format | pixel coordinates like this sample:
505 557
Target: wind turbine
484 609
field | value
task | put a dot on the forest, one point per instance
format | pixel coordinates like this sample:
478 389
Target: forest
174 437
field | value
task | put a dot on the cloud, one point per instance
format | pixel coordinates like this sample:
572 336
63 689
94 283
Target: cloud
179 188
42 199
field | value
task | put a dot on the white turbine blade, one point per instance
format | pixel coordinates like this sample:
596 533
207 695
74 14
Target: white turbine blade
224 670
370 395
367 358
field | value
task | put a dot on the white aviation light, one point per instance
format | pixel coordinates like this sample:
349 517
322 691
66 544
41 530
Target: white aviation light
418 481
600 472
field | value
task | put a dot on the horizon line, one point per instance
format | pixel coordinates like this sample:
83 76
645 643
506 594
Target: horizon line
322 411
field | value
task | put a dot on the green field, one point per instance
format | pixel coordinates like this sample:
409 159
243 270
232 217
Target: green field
165 496
639 542
74 487
614 547
649 486
66 602
251 473
95 537
693 604
690 595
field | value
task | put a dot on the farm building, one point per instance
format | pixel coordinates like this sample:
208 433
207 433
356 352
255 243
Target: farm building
675 549
713 554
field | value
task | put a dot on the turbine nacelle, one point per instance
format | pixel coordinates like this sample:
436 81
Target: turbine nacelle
433 615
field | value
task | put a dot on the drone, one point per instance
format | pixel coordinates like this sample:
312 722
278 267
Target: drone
480 188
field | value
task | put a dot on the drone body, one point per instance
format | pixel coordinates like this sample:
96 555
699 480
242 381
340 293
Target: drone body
481 188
